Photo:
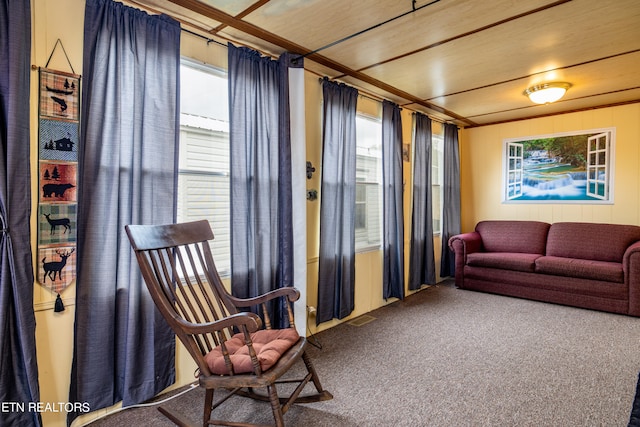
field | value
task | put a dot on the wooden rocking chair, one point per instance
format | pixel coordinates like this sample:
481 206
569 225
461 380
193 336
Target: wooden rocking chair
231 348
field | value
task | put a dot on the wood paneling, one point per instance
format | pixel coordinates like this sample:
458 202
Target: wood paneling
461 60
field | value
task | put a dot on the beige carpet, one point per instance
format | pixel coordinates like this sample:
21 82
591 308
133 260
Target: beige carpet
448 357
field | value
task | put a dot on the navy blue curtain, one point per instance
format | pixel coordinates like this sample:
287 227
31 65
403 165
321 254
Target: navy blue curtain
260 145
123 348
18 365
450 198
336 277
422 264
393 214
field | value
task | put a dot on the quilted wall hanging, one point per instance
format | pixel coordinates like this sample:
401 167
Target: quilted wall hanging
58 133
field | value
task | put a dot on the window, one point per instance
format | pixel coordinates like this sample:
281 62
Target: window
368 209
515 169
598 166
437 142
203 179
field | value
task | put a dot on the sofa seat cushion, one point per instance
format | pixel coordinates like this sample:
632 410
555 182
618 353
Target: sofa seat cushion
503 260
581 268
269 345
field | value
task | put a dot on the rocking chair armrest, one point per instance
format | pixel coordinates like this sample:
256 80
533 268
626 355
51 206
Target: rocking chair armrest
251 320
292 293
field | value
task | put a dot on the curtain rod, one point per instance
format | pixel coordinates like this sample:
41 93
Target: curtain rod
209 40
375 98
163 11
237 43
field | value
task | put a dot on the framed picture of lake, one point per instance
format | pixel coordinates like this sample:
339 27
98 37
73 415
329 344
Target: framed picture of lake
570 167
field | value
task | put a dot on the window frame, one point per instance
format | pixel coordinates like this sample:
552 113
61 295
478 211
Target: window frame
215 130
369 246
437 177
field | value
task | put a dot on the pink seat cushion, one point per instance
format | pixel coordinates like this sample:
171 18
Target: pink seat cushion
269 345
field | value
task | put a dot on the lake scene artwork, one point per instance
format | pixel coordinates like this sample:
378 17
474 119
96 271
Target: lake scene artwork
561 168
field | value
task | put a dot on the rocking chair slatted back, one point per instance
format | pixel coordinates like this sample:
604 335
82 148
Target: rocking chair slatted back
186 286
178 267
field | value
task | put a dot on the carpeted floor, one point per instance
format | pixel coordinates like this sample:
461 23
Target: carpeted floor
448 357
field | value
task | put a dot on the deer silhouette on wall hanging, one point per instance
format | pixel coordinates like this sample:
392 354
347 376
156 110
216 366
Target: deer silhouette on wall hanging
54 223
52 268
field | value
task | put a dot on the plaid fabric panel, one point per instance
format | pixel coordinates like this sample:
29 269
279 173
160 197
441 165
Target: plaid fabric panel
58 140
58 182
56 267
59 95
57 224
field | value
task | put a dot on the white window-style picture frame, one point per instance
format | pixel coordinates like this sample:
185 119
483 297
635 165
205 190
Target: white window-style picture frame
568 167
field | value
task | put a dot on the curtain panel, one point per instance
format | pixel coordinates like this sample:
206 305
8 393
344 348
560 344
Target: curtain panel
422 264
261 198
18 364
450 198
123 349
336 277
392 215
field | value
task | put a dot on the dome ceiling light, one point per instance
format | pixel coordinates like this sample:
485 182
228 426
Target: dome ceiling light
546 93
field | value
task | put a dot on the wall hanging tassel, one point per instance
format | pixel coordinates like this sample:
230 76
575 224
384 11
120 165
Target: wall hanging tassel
59 306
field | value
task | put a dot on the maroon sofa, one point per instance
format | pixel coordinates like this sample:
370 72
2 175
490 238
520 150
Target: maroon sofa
595 266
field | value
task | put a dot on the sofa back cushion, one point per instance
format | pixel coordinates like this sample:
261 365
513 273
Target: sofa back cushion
529 237
599 242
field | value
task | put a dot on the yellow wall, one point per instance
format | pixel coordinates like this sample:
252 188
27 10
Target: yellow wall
63 19
481 169
481 176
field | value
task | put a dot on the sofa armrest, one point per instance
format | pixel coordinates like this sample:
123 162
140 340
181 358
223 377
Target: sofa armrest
462 245
466 243
631 268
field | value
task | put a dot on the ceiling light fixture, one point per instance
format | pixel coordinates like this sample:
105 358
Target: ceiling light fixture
546 93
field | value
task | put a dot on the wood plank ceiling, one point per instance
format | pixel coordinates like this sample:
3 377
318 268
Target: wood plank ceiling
462 61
